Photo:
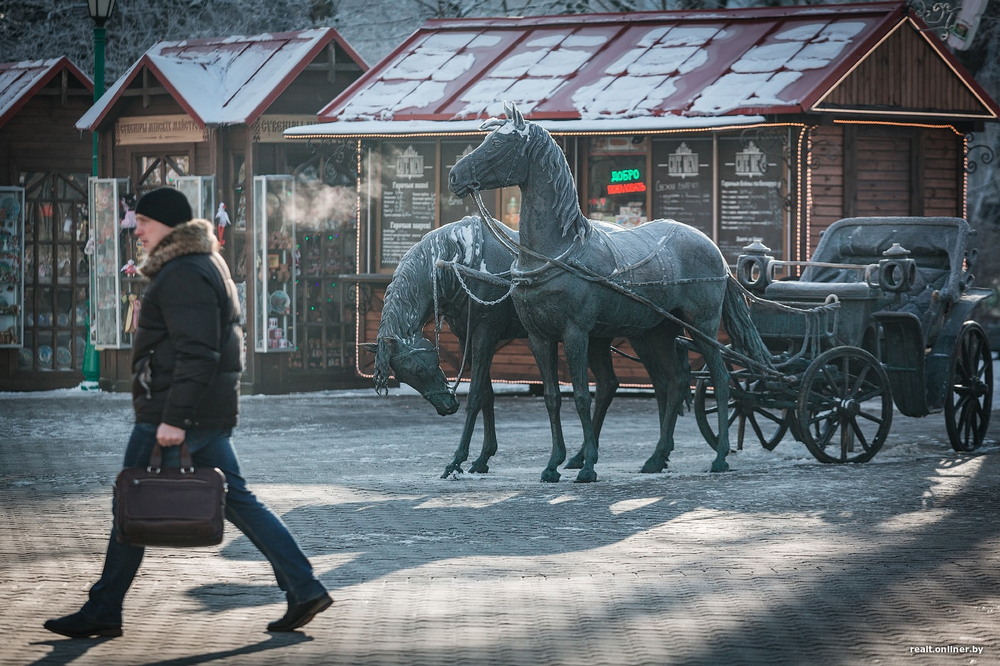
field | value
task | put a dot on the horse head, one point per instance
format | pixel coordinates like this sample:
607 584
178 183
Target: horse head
500 161
414 361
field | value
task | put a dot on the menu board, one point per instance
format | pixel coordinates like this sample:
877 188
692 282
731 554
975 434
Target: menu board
409 198
752 187
453 208
682 181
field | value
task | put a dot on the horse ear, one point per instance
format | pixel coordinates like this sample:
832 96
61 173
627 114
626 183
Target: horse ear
383 354
518 118
369 347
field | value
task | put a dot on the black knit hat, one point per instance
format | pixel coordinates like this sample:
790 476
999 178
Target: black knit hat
166 205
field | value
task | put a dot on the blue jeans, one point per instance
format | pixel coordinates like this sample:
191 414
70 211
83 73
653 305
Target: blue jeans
210 448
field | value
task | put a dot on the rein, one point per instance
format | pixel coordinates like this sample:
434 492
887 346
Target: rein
592 276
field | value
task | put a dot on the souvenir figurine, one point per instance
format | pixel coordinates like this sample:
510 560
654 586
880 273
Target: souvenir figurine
130 269
128 206
132 317
221 222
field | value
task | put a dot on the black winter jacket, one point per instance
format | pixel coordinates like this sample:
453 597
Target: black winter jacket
188 349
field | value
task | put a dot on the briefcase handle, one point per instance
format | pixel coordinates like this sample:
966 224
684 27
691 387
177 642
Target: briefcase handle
156 459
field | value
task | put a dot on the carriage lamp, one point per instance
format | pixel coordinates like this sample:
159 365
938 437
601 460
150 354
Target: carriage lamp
752 267
897 272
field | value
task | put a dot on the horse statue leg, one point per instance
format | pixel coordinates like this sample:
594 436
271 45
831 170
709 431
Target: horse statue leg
720 380
546 353
575 347
669 373
599 353
481 464
480 399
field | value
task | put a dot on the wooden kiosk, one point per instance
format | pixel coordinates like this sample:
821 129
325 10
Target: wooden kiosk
206 116
44 268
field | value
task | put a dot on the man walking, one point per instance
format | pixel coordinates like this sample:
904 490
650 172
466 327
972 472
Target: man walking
187 360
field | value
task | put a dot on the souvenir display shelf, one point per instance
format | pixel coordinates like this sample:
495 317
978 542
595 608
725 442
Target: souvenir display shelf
11 273
326 299
117 253
275 263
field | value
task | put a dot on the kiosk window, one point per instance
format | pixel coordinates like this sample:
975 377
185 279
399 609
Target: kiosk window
617 180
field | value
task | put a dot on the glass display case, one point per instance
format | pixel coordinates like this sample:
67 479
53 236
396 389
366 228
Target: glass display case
11 273
115 299
200 192
275 263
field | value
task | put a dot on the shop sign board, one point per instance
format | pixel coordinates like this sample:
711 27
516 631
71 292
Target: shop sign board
752 188
683 181
409 198
454 208
271 128
144 130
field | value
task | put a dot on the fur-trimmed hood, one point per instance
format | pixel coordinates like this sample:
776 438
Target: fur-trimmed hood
194 237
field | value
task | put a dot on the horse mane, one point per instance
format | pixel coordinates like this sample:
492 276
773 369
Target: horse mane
410 294
549 159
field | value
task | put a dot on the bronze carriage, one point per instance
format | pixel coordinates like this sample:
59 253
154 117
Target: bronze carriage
884 313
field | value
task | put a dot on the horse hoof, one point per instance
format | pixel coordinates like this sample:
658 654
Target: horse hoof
653 467
576 462
720 466
550 476
452 471
479 468
586 476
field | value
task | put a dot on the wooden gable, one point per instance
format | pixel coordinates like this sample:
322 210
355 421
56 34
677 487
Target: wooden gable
905 75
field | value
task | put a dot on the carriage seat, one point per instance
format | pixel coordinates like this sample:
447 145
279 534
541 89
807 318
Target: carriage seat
817 292
937 245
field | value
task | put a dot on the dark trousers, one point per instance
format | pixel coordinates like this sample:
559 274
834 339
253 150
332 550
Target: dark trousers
210 448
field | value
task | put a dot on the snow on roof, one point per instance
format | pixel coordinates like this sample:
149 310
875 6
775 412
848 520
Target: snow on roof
224 81
361 128
19 81
602 66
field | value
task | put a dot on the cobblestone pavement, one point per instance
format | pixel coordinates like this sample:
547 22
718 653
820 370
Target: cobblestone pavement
781 561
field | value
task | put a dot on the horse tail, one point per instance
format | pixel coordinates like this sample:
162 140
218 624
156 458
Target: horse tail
383 355
742 331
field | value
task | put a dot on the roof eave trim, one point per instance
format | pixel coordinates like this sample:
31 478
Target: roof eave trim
58 65
396 128
952 64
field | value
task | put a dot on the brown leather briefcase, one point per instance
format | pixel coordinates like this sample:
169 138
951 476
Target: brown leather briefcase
170 506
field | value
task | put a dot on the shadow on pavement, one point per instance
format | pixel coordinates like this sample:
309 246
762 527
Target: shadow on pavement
68 650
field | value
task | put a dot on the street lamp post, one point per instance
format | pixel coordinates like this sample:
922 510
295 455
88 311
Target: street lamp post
100 12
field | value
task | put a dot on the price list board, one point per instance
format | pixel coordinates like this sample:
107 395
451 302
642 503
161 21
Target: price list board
409 198
453 208
753 184
682 181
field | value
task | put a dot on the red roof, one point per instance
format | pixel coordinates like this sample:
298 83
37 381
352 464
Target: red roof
620 66
20 81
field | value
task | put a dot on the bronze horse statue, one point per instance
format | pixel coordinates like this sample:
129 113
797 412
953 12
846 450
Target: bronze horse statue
574 281
442 275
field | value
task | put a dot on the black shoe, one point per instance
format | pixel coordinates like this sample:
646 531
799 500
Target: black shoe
79 625
299 615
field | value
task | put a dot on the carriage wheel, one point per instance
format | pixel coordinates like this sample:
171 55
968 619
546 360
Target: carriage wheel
845 406
752 420
969 398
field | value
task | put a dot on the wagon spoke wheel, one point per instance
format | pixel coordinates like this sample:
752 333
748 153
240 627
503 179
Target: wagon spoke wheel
844 409
749 419
969 396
